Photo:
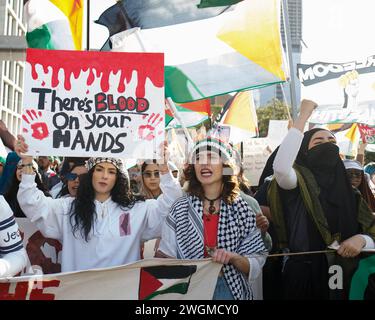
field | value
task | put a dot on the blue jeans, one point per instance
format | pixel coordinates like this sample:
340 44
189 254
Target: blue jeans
222 290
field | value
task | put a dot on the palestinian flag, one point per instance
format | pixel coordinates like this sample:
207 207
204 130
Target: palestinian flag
363 281
238 49
158 280
240 115
114 18
54 24
192 113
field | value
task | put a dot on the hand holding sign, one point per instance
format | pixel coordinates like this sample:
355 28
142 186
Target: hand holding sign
163 163
21 148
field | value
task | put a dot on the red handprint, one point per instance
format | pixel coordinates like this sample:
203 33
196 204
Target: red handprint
40 129
147 131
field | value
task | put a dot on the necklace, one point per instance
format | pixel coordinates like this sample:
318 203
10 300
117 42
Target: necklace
211 208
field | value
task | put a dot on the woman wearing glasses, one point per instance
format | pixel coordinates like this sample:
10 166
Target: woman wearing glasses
72 179
355 173
150 188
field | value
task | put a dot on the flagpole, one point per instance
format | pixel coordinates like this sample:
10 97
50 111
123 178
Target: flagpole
88 26
288 42
173 108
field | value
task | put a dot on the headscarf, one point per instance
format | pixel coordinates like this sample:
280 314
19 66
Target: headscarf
8 171
363 187
336 196
370 168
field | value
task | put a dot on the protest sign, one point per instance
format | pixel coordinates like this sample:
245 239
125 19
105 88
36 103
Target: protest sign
367 133
93 103
255 154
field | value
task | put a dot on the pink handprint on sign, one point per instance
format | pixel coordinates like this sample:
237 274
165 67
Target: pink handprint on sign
39 129
147 131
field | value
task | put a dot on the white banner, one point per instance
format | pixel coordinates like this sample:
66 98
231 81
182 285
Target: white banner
79 103
154 279
44 253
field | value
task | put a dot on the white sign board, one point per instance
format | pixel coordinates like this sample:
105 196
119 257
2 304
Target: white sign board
79 103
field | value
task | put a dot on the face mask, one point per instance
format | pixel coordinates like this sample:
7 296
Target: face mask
323 156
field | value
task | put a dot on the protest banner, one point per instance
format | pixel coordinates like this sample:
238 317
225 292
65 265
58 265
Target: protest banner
93 103
367 133
157 279
44 253
337 67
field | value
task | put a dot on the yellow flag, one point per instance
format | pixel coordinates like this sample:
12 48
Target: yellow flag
256 32
73 10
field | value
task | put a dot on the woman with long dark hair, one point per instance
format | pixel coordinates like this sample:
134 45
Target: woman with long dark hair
104 225
212 220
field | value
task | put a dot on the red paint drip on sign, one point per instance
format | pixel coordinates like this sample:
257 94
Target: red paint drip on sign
147 65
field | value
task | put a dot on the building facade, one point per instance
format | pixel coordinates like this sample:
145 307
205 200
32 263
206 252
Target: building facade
11 72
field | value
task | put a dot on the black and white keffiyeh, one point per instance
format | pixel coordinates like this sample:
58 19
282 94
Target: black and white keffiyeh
237 232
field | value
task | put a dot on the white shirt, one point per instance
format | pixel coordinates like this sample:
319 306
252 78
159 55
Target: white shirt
116 236
13 257
56 189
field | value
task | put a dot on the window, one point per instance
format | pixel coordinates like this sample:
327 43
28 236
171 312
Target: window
4 116
5 95
18 98
10 24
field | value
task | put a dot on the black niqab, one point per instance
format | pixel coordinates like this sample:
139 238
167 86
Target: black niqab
336 194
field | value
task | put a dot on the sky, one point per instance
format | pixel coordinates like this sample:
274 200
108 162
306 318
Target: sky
338 29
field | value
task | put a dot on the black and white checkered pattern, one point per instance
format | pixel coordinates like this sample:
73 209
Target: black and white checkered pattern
237 233
118 163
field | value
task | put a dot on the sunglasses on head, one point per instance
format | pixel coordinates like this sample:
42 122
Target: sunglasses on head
72 176
148 174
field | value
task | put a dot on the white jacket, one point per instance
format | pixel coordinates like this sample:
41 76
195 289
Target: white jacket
116 236
13 257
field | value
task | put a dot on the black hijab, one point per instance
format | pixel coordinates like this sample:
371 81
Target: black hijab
336 194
